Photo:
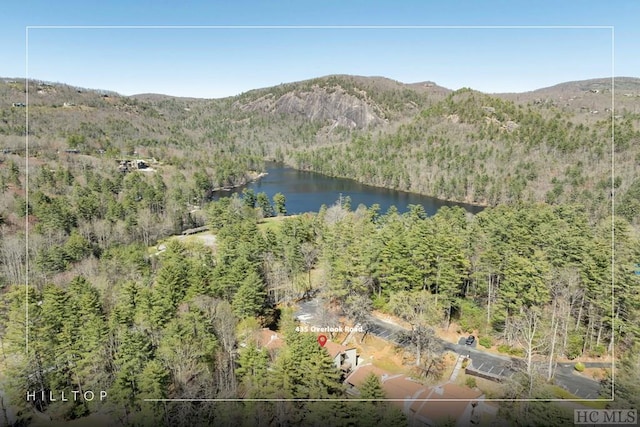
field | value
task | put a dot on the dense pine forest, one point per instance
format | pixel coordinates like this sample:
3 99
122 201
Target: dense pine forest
116 303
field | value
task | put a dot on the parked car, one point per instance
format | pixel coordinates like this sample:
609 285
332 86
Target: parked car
470 340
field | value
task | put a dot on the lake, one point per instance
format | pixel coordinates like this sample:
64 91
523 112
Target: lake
308 191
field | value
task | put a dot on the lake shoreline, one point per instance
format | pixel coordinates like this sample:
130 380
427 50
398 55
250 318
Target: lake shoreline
253 177
307 191
475 204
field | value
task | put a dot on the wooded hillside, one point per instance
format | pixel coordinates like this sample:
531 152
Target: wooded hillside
109 177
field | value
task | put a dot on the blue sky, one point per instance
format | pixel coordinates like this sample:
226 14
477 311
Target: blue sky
219 62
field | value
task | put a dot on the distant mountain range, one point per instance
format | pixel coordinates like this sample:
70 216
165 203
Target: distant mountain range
552 144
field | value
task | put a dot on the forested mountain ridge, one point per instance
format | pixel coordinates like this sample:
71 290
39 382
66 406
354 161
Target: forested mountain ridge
553 144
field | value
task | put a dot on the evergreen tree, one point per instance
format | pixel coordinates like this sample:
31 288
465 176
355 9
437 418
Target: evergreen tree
252 370
262 202
304 369
171 285
249 198
250 299
134 351
125 310
187 349
87 334
153 383
371 388
25 371
396 269
279 203
200 272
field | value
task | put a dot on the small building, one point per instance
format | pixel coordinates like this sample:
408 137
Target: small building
344 358
404 389
448 402
357 377
423 405
269 339
127 165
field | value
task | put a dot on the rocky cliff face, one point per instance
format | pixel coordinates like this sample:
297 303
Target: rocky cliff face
333 105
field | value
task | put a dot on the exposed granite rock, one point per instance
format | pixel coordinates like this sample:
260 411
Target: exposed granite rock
332 105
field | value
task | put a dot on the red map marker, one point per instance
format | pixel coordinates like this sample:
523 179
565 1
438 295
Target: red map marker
322 340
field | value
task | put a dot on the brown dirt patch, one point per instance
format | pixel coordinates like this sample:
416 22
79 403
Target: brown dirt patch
391 319
595 373
451 334
585 359
379 353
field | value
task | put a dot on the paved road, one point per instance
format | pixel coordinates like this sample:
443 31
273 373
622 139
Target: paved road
481 361
565 376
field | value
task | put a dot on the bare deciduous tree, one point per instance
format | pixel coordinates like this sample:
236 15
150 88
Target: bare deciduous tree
12 258
309 257
224 324
530 335
420 310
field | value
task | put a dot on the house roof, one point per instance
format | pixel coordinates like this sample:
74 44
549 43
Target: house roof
401 387
269 339
334 349
419 401
436 410
452 390
361 372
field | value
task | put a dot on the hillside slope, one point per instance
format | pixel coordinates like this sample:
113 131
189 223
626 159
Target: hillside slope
552 144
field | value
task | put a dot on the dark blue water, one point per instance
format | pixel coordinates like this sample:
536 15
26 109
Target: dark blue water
308 191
